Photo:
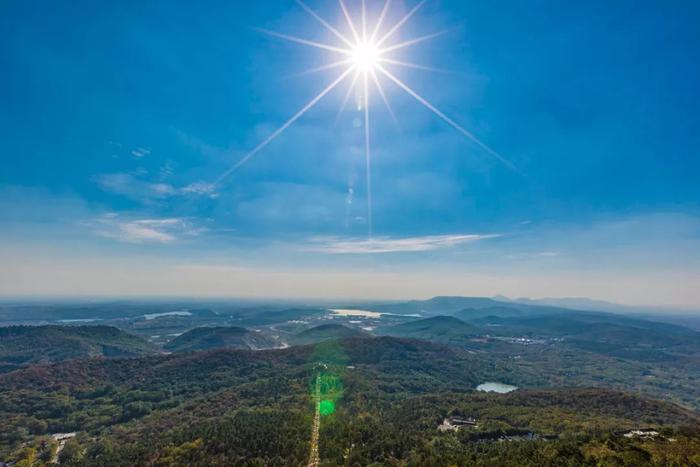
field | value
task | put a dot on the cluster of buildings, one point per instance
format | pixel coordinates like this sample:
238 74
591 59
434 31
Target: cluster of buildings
455 423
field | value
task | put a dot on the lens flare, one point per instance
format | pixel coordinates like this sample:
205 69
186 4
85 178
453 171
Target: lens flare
366 57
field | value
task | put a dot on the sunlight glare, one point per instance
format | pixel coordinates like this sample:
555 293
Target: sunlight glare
366 56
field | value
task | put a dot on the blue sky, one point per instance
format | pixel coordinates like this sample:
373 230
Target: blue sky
115 117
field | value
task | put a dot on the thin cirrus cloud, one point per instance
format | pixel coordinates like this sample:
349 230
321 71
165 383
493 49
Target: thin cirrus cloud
336 245
135 188
129 186
140 152
202 189
160 231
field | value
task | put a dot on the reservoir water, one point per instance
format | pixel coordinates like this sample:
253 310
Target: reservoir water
496 387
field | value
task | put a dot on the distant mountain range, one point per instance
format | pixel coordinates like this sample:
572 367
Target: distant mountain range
435 306
576 303
583 303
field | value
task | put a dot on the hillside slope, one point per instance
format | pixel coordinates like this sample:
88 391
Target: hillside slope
325 332
207 338
27 345
227 407
445 329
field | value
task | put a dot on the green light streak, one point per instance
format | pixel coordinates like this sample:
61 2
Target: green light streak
326 389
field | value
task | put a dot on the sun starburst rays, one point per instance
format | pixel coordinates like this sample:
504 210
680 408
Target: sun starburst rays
325 23
365 58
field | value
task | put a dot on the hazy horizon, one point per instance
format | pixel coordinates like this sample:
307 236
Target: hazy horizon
574 303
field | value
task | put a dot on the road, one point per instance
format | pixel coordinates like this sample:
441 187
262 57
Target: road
314 460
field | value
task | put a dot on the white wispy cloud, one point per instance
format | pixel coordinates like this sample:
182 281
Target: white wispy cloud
140 152
336 245
201 189
132 186
126 184
163 231
166 170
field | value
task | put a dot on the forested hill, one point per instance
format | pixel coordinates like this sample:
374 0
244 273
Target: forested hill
440 328
238 407
326 332
219 368
206 338
27 345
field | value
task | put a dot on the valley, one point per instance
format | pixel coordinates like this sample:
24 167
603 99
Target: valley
237 385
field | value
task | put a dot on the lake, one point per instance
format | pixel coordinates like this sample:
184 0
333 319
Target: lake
356 313
153 316
496 387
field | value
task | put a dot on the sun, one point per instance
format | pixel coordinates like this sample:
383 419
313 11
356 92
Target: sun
366 56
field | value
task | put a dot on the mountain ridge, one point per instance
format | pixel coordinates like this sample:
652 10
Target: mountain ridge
21 346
